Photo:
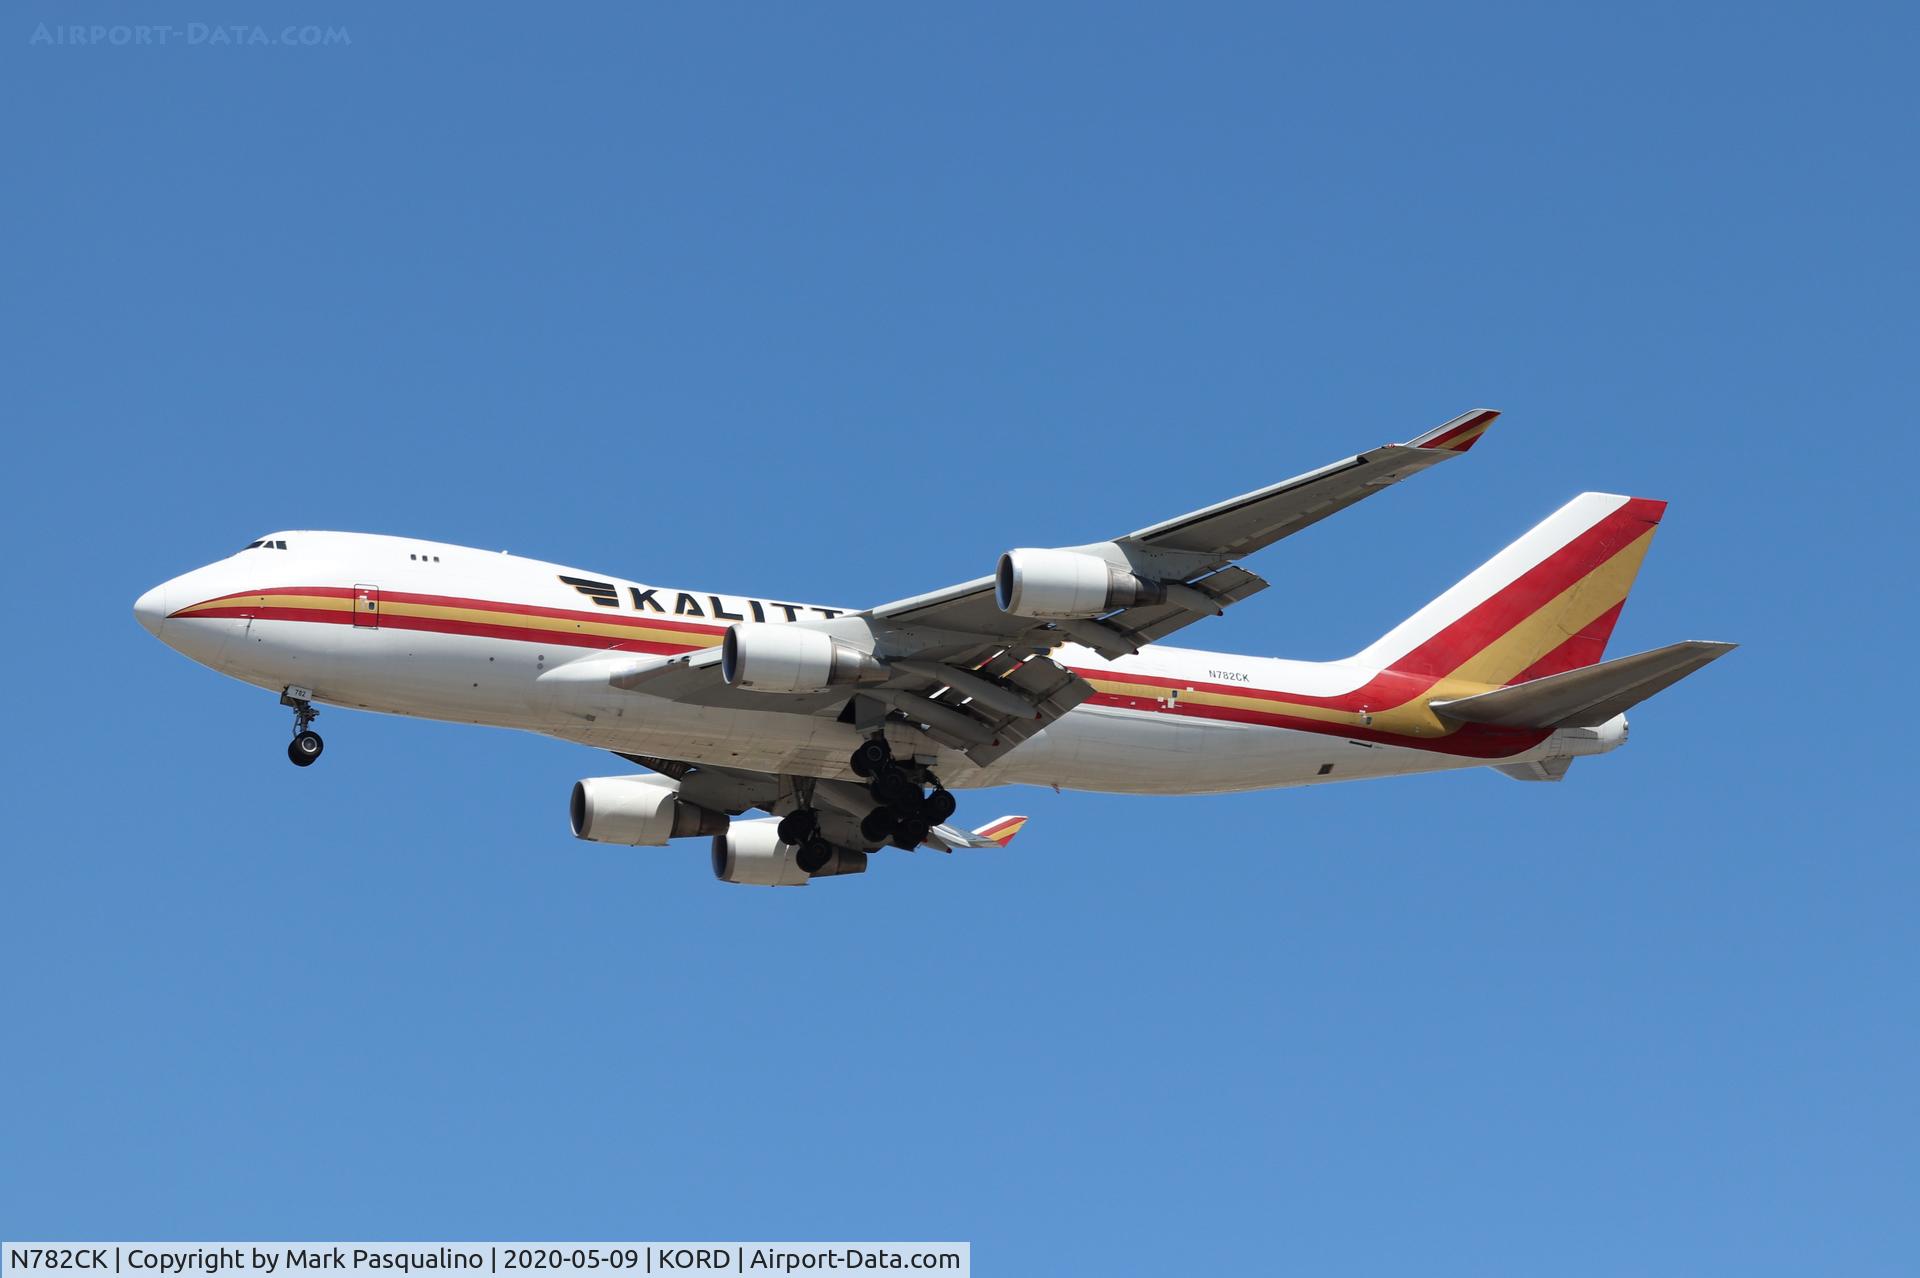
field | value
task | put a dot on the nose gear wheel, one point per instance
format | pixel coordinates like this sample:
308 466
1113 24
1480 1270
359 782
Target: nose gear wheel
306 744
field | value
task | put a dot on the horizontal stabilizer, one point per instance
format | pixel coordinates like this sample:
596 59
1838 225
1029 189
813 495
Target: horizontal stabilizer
994 834
1588 696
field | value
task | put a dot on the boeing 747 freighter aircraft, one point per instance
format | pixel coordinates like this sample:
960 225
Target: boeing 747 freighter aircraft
852 726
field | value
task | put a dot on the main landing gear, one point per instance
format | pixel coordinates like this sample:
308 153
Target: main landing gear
801 828
798 826
306 744
904 817
906 813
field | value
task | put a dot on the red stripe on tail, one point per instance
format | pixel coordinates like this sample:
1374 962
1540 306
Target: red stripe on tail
1460 640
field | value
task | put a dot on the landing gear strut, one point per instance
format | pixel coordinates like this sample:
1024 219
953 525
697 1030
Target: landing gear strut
306 744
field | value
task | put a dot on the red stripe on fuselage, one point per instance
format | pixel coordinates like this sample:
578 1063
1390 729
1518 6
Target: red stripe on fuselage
452 626
604 616
1443 653
1473 740
1385 690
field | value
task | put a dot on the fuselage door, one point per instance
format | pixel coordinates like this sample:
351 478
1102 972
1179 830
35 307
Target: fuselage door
366 607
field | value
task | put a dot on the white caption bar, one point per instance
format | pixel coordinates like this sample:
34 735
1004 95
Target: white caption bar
520 1260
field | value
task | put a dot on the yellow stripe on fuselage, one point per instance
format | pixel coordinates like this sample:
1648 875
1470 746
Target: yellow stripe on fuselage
1495 666
1411 718
395 608
560 625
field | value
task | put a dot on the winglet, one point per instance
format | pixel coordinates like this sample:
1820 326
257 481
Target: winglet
1458 435
1001 832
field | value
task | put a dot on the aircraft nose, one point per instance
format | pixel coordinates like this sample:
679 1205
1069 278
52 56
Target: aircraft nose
150 609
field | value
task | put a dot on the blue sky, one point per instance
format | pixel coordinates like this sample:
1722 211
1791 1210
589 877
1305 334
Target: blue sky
837 303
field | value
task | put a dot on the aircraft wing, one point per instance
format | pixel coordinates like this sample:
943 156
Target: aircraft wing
978 679
737 790
728 790
1197 548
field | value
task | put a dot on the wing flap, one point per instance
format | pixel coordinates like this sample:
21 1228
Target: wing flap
988 731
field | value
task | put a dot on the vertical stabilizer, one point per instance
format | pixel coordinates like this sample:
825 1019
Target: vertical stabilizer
1544 605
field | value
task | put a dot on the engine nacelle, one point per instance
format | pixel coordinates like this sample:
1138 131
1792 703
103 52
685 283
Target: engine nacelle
768 657
1066 583
751 852
637 811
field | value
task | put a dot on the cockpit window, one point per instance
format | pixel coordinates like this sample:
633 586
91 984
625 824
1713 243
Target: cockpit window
265 544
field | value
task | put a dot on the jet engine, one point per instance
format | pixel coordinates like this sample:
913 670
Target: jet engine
751 852
638 811
1067 584
768 657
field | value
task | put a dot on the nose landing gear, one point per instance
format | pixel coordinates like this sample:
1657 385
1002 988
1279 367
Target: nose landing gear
306 744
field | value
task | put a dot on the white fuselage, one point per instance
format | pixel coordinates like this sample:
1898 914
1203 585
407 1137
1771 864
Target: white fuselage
470 636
